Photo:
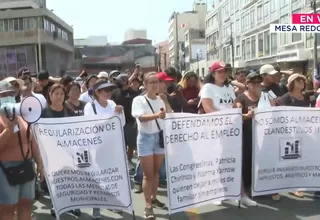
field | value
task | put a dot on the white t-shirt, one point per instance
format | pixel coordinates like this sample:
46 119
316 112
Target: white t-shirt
41 98
141 107
109 111
85 97
222 97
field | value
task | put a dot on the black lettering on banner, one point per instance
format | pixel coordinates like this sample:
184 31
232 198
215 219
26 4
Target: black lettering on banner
64 135
200 182
86 186
198 122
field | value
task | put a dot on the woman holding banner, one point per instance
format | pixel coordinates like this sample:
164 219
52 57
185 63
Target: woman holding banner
102 105
149 111
57 109
247 101
217 94
295 97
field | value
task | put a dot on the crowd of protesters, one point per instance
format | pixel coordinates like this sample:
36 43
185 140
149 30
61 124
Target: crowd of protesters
142 101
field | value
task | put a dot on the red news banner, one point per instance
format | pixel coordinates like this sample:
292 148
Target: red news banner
306 19
301 23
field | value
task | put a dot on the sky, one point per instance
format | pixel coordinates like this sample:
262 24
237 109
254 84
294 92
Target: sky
113 17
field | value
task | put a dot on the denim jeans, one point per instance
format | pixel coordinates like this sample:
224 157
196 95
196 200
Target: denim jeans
139 174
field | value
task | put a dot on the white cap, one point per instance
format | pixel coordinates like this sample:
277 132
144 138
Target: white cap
103 74
12 79
268 69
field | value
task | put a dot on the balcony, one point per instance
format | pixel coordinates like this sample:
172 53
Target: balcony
31 37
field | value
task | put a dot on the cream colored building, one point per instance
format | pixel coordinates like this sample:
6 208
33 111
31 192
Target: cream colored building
254 45
134 34
179 23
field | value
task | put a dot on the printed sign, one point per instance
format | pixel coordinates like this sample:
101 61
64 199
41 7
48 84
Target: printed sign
286 150
203 158
85 162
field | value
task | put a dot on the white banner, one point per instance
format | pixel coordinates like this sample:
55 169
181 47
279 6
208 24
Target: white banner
286 150
85 162
203 158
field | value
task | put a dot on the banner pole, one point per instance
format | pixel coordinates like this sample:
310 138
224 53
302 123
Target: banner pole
133 215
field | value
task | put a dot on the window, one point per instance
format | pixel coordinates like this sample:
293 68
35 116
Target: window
21 58
266 10
248 49
238 50
284 36
309 40
243 49
18 24
231 6
266 43
225 54
260 45
237 25
259 14
2 26
228 55
253 47
273 6
284 3
11 25
296 36
274 43
252 17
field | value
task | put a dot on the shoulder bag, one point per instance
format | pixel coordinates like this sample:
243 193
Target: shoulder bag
22 173
161 140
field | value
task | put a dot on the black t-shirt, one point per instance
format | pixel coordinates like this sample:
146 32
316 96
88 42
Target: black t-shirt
275 88
247 104
76 110
289 100
45 90
125 98
50 113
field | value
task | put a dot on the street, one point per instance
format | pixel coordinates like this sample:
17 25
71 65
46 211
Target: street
288 208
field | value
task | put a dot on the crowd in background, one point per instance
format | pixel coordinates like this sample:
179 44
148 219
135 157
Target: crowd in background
142 101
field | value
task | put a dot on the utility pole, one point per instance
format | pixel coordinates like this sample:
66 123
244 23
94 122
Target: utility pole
177 54
232 49
315 42
39 44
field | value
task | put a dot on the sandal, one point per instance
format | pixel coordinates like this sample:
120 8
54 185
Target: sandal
297 194
157 204
149 214
137 189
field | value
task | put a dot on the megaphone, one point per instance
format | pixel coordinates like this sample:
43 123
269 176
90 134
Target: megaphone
29 109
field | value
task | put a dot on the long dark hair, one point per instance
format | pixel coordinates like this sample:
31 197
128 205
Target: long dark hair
209 78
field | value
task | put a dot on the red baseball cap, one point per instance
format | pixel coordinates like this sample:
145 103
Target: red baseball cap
217 66
163 76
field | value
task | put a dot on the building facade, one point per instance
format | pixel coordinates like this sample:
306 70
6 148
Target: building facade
134 34
34 37
162 49
194 48
246 23
179 23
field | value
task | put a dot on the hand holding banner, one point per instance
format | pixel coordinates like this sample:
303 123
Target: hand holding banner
286 150
203 158
85 162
